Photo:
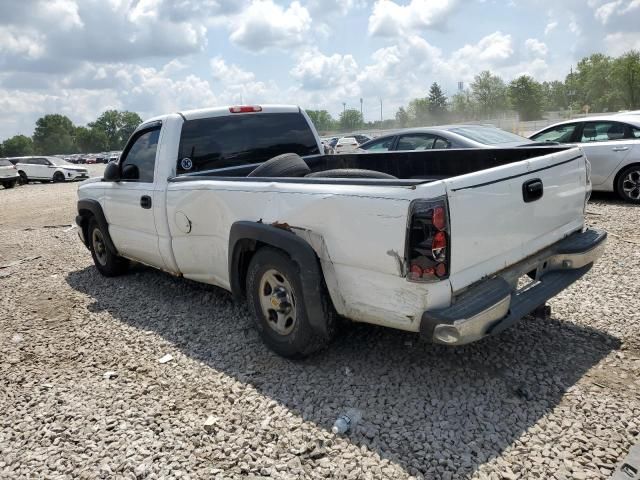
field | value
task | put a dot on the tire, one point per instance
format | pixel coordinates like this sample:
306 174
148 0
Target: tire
289 334
23 178
108 263
628 184
285 165
351 173
10 184
58 177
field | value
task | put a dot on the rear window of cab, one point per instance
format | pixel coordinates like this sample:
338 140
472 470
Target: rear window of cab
242 139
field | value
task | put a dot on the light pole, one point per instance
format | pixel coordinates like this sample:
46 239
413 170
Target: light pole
361 108
380 109
344 107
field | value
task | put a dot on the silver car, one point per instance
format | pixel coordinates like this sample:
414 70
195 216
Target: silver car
446 136
612 145
8 173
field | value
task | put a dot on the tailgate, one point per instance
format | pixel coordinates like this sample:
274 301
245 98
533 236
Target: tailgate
492 226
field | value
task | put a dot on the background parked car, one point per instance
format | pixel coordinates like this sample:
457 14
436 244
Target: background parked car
443 137
48 169
346 145
612 145
9 175
361 138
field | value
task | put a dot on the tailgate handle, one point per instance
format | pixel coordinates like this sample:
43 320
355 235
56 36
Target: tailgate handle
532 190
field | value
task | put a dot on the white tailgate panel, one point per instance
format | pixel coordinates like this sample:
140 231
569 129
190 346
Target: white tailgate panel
491 225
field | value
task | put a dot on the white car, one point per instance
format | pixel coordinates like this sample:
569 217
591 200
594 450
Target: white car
50 169
612 146
8 173
432 242
346 145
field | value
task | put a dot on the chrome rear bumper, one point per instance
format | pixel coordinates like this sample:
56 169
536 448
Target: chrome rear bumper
492 305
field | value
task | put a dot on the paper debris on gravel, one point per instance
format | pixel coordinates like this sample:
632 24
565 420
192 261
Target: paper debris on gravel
109 375
166 359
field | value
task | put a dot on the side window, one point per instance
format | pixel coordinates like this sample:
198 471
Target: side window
560 134
441 143
43 161
381 145
602 132
635 132
416 141
139 159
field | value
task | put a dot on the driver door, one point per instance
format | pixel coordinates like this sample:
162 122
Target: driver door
129 206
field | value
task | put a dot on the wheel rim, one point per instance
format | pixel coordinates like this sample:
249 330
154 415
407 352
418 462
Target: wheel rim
99 247
631 185
278 302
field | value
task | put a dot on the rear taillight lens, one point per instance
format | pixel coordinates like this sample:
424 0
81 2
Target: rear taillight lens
428 242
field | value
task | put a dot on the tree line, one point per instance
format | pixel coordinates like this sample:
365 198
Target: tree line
600 83
56 134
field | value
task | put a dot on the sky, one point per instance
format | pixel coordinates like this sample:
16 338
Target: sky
82 57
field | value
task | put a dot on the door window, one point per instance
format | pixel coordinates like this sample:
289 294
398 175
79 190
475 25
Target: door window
635 132
441 143
560 134
139 159
602 132
416 141
381 145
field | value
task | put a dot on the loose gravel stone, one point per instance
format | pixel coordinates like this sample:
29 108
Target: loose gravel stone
556 398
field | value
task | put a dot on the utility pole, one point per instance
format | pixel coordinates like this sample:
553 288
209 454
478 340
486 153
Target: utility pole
344 107
361 108
381 109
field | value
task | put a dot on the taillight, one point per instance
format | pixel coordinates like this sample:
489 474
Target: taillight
428 243
245 109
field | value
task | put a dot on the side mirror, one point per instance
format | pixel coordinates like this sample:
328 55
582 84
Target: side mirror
111 173
130 172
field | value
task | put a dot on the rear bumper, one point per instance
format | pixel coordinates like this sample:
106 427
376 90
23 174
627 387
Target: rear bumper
9 178
492 305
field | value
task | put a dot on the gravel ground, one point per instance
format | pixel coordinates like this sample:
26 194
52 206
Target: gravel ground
83 395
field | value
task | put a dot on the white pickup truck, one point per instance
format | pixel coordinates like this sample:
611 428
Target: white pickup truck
435 242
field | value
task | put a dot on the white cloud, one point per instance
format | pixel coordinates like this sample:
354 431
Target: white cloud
229 74
390 19
316 71
551 26
329 8
265 24
621 42
16 41
536 47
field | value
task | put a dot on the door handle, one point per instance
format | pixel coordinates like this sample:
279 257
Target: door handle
145 201
532 190
620 149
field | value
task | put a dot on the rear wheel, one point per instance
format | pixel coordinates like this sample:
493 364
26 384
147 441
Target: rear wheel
628 184
10 184
108 263
274 296
23 178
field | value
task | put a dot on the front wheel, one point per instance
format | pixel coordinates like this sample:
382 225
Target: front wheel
628 184
274 296
58 177
108 263
10 184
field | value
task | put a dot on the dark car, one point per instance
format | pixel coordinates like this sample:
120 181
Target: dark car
447 136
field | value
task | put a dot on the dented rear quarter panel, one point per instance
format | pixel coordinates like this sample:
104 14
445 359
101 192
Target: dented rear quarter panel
358 233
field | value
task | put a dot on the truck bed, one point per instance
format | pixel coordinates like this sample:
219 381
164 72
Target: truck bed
411 168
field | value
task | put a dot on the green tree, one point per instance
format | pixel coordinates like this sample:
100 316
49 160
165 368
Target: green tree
526 97
626 78
555 95
350 120
17 146
322 120
117 126
402 117
490 93
54 134
463 105
593 84
418 111
437 101
91 140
